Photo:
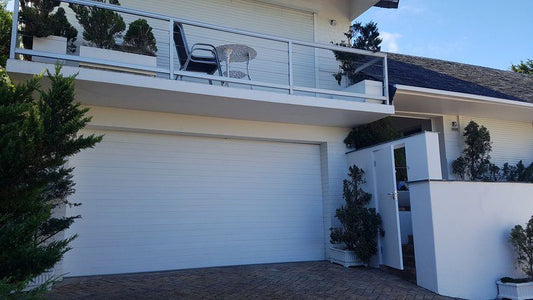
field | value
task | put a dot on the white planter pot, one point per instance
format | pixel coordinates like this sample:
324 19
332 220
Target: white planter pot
515 291
39 280
50 44
118 56
343 257
368 87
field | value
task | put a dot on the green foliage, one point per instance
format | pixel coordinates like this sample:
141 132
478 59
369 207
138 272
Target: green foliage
38 133
101 26
365 37
524 67
359 225
475 160
522 240
5 34
39 20
140 39
517 173
371 134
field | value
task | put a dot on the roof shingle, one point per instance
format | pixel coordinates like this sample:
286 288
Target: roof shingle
458 77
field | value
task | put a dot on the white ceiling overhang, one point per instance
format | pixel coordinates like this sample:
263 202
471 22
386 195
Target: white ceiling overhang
424 101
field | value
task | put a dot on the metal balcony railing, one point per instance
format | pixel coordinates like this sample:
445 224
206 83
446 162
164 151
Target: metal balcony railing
278 64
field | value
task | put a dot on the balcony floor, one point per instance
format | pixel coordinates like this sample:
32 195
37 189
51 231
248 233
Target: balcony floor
108 88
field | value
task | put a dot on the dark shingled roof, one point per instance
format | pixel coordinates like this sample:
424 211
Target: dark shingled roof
457 77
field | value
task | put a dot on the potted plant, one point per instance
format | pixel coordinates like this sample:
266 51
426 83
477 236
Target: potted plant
521 288
364 37
44 30
355 241
140 39
101 29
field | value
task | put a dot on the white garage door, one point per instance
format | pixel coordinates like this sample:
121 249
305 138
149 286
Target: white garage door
162 202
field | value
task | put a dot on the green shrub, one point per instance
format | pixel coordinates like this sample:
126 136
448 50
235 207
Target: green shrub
38 19
517 173
474 163
140 39
364 37
359 225
370 134
101 26
5 33
522 240
38 133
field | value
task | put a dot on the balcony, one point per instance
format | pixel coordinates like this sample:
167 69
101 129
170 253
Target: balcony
261 77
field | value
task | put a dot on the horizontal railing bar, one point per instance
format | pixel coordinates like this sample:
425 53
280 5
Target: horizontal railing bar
337 93
231 80
91 60
222 28
193 74
119 9
366 65
340 48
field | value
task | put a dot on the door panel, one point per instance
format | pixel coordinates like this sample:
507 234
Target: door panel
154 202
387 199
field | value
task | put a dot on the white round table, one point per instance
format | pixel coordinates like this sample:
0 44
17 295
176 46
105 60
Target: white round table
236 53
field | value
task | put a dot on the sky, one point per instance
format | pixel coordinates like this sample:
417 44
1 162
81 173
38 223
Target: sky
490 33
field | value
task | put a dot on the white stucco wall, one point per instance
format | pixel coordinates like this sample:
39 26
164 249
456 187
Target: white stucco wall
461 234
511 141
333 161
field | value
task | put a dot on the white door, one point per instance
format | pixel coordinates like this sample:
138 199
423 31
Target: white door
161 202
385 178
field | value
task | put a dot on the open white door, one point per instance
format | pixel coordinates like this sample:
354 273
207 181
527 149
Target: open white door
387 200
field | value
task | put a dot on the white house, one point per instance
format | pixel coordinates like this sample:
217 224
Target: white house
249 169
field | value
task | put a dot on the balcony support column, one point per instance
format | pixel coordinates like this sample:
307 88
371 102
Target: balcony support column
14 29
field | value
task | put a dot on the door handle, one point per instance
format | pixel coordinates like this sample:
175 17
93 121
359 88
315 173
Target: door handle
394 195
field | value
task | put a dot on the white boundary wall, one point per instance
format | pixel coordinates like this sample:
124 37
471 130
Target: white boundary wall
461 234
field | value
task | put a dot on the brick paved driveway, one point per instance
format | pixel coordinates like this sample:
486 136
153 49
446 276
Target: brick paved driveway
308 280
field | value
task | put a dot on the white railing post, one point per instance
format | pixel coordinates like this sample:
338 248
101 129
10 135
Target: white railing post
171 48
14 29
291 75
386 81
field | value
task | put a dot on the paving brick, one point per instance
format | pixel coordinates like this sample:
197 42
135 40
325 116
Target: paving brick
307 280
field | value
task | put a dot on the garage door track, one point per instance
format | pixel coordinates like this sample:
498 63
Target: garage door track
308 280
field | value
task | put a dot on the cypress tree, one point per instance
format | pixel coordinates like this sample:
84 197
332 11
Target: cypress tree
38 133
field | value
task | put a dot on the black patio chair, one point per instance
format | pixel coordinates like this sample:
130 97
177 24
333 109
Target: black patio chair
192 59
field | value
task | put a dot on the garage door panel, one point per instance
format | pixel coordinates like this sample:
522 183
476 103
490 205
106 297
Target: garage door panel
174 240
160 202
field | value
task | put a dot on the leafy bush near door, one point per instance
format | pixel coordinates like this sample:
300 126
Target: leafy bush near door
360 225
38 133
475 161
474 164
